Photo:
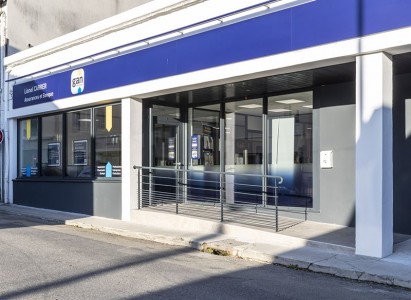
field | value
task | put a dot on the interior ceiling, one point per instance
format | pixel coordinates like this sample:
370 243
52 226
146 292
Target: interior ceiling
402 63
262 86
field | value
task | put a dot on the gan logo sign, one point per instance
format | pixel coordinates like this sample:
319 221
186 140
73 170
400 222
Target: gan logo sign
77 81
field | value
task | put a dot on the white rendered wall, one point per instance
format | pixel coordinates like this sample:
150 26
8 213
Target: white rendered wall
10 162
131 152
374 167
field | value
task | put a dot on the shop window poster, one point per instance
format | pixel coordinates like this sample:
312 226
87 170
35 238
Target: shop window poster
53 155
80 151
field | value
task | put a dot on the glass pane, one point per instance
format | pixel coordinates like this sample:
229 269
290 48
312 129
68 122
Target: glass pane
79 143
204 153
205 136
290 146
166 121
107 131
244 150
166 132
28 148
51 145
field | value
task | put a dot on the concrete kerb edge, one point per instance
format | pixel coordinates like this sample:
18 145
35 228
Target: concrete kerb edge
163 239
239 251
388 280
243 253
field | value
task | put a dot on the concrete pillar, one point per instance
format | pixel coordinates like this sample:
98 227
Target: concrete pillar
230 156
131 153
10 166
374 167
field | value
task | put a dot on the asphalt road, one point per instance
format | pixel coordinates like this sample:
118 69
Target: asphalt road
47 261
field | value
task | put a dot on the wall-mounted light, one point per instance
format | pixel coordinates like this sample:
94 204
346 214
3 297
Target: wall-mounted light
164 37
283 4
105 54
60 68
201 26
132 47
40 74
244 13
80 62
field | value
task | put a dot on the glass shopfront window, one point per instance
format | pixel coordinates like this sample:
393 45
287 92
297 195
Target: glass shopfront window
51 145
166 126
289 125
107 132
263 137
70 144
205 136
204 152
167 132
244 150
79 143
28 147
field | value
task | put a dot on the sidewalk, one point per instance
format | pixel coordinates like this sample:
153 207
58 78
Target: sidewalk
313 246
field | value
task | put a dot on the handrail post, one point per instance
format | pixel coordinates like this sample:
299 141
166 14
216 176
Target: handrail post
150 186
177 187
222 184
276 204
138 190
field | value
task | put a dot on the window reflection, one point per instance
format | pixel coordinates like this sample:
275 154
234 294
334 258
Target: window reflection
107 131
244 150
205 135
51 149
28 150
79 143
166 123
204 155
244 132
290 146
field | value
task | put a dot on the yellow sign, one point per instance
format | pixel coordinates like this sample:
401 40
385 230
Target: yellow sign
28 129
109 118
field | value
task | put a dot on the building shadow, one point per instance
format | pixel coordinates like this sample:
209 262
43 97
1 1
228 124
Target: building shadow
164 280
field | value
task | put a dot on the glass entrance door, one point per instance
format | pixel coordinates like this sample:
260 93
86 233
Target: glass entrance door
289 126
262 136
204 153
244 151
166 154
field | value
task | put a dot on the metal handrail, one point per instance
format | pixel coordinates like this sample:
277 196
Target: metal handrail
160 195
175 168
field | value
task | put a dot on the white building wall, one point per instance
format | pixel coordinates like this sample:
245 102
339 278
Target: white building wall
31 23
374 196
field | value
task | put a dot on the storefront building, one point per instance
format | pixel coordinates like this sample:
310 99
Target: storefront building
314 91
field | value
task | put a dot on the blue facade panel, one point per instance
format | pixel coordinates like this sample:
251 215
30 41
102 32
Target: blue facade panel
323 22
384 15
311 24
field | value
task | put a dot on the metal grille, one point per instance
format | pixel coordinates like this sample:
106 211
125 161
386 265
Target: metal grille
223 196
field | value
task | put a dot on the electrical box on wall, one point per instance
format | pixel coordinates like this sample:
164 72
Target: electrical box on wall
326 159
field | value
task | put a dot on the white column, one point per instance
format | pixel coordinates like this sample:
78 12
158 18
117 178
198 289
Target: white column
10 157
230 156
131 153
374 167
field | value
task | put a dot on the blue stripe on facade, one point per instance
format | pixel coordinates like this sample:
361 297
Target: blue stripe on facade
312 24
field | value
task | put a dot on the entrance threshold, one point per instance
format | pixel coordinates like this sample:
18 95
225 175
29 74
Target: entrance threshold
333 238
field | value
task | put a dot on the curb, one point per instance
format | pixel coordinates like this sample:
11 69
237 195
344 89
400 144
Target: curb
242 250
